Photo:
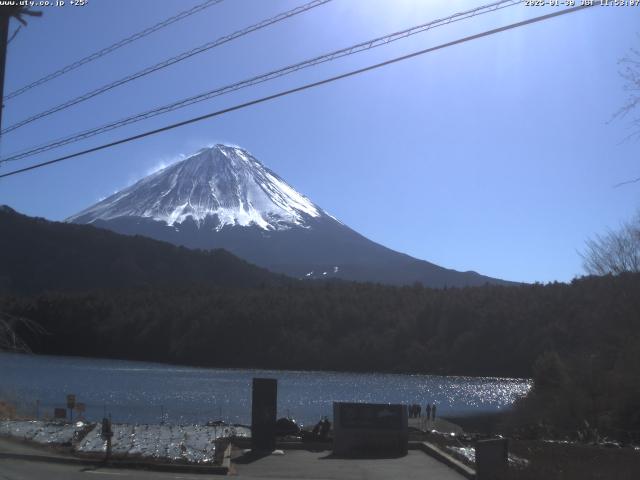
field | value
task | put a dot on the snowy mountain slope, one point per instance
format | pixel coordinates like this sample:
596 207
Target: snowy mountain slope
223 197
224 182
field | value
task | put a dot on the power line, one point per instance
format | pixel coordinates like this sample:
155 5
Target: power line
627 182
303 87
367 45
113 47
168 62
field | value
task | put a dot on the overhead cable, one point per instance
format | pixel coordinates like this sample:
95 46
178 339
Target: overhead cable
360 47
300 88
166 63
111 48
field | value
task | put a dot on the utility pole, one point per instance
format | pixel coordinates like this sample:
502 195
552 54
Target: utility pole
4 37
6 12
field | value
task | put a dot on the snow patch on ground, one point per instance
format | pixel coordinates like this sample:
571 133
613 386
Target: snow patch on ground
185 443
40 431
469 453
190 443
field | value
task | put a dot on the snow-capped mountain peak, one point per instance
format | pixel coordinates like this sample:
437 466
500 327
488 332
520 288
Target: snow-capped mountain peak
223 197
223 183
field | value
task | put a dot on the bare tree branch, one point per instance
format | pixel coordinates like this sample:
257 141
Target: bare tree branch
9 339
615 252
630 73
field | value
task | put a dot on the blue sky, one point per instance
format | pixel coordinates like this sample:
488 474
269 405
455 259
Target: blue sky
497 155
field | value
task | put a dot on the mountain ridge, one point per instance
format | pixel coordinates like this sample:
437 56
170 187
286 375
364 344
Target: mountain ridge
223 197
38 255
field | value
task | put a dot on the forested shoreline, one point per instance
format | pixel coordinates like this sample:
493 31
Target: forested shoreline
490 330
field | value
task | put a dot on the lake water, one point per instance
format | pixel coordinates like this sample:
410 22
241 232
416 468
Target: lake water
143 392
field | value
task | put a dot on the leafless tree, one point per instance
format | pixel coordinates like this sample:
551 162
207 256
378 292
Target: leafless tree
630 73
9 339
616 252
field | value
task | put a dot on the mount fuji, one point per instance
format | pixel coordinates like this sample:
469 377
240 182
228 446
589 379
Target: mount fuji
223 197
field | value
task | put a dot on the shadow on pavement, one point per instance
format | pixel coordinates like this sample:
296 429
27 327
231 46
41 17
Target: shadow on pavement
250 457
363 456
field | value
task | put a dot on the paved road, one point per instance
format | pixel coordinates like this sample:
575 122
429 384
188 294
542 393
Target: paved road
22 470
294 464
301 464
18 447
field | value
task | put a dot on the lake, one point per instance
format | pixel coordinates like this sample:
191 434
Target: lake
142 392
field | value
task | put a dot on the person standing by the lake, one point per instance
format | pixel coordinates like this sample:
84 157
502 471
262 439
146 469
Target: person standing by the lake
433 412
428 411
325 426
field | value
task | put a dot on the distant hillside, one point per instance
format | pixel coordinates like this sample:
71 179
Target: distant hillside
38 255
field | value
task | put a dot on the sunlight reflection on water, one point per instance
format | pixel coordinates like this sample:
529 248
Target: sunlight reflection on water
142 392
